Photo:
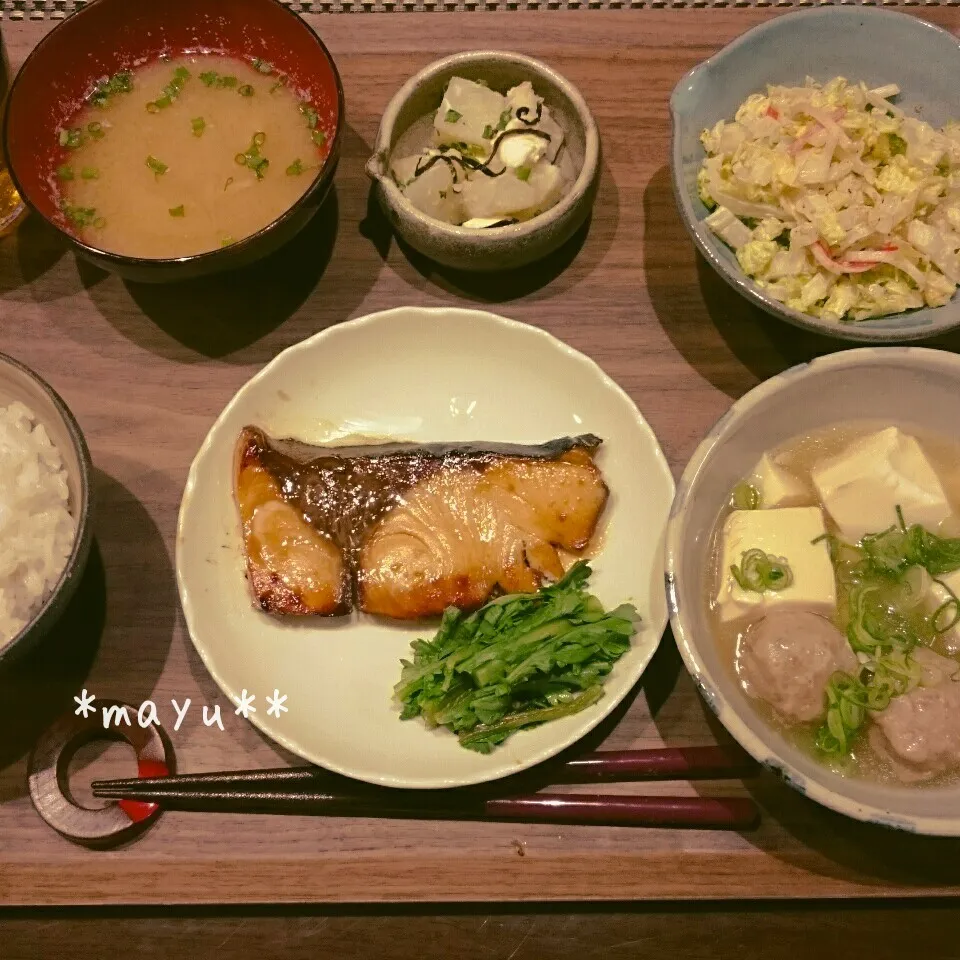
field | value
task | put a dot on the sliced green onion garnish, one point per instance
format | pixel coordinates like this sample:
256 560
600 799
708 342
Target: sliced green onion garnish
80 216
847 700
198 125
226 241
176 211
90 173
759 571
162 102
947 615
246 90
504 120
119 83
208 78
65 173
318 137
153 107
96 130
157 166
523 173
311 115
71 138
295 168
488 132
280 83
745 496
252 158
452 116
228 81
262 66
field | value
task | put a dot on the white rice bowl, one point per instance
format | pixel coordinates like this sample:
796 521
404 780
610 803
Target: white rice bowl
36 529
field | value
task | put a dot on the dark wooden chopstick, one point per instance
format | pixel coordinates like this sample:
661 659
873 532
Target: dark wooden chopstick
313 791
734 813
606 766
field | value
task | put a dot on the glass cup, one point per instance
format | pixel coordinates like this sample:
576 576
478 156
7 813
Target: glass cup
12 207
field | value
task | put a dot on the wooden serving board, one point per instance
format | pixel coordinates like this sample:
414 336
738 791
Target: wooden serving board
147 369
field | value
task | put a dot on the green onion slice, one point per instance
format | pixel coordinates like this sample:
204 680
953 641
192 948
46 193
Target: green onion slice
523 173
198 125
452 116
157 166
759 571
64 173
295 168
318 137
745 496
246 90
261 66
71 139
311 115
90 173
176 211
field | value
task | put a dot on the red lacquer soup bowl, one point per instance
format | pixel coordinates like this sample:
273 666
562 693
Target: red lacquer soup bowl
108 36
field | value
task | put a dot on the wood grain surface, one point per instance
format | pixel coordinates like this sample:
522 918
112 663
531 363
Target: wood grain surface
147 369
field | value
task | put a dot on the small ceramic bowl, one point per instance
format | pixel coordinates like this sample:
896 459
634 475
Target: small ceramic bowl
19 383
493 248
906 386
859 43
110 35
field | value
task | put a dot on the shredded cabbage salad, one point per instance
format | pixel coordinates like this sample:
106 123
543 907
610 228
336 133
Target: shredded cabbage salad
836 202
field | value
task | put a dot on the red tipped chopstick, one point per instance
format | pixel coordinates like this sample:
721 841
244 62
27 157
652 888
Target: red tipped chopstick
313 791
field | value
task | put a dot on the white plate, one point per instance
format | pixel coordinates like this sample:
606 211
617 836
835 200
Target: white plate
421 375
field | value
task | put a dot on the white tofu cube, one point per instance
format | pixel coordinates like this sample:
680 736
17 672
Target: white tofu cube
787 533
778 487
862 487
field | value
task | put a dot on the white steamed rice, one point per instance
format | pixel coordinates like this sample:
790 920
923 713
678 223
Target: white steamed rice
36 529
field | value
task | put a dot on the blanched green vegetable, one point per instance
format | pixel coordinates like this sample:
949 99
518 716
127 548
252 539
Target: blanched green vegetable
521 660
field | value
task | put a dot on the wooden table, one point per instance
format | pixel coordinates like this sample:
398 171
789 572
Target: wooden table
146 370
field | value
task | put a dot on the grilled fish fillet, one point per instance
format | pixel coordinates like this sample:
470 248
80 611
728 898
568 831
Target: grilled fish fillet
405 531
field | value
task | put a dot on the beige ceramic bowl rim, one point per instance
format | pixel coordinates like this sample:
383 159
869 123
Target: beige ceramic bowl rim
82 512
588 170
687 643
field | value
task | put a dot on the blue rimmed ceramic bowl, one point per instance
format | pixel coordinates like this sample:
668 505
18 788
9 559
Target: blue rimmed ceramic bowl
906 386
860 43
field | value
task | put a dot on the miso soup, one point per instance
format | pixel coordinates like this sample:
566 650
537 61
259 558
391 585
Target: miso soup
186 155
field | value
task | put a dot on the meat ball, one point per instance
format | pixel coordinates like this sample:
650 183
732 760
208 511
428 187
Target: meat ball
787 659
920 731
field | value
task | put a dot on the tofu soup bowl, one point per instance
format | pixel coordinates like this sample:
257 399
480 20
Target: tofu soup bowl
811 573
